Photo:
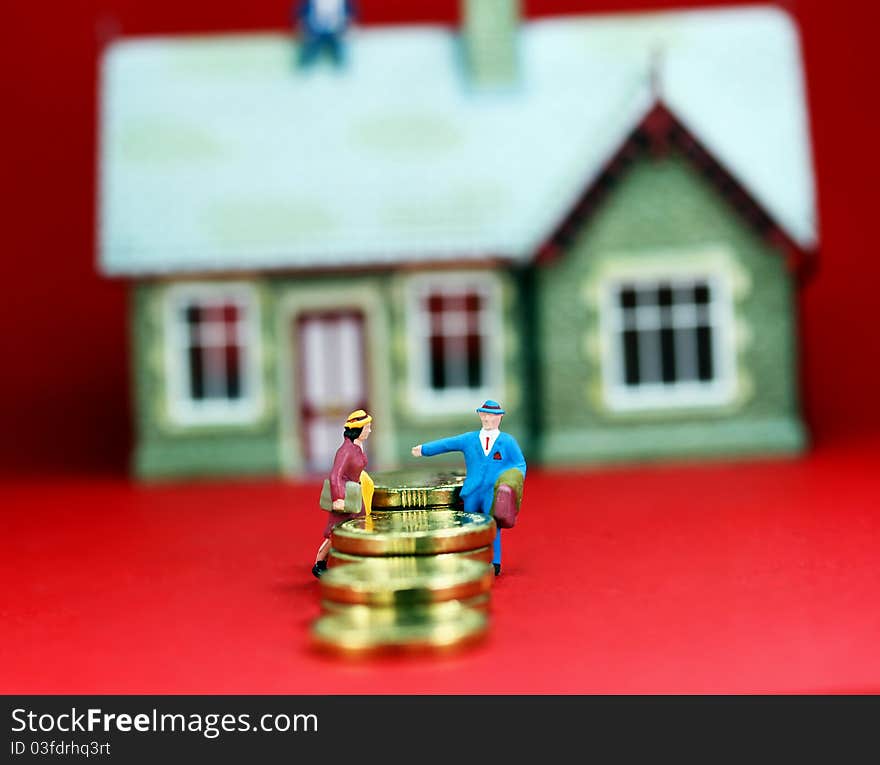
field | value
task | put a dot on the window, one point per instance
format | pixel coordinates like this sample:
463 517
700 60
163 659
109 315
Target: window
454 340
670 343
212 353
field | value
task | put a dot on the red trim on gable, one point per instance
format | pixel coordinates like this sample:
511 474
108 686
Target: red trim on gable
659 133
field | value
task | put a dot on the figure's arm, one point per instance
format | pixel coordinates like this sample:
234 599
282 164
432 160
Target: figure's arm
442 446
518 459
337 482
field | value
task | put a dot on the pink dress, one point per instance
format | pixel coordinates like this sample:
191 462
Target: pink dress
348 464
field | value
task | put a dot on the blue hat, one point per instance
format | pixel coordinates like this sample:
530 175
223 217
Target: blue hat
491 407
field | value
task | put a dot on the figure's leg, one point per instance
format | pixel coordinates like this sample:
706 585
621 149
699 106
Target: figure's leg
476 503
486 509
309 48
321 558
337 52
323 551
472 504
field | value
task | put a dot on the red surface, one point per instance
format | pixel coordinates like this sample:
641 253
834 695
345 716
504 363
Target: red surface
750 577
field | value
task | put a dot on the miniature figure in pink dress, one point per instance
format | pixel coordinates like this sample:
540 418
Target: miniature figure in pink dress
348 466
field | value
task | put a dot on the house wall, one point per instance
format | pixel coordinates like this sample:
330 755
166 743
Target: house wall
664 217
271 444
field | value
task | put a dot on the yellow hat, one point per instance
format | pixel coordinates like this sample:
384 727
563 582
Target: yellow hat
357 419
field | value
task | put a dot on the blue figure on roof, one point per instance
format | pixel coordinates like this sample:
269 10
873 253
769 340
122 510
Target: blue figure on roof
322 25
496 470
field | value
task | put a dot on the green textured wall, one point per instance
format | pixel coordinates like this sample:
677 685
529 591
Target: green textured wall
662 214
270 445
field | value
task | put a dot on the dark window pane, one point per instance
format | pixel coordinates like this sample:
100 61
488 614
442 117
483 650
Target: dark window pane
664 295
686 350
230 313
647 296
474 361
233 378
465 342
631 357
701 293
627 298
196 374
704 353
667 355
650 357
473 302
193 314
438 365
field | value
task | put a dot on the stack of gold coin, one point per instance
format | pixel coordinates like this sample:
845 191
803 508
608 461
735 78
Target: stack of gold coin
398 603
483 554
383 630
448 533
416 490
443 607
414 574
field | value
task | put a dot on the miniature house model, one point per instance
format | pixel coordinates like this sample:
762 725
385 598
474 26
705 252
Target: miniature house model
599 221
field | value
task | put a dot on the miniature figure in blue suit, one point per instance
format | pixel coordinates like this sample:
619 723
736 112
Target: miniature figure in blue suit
322 22
487 454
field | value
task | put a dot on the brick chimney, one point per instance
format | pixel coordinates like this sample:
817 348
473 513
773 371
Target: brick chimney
490 33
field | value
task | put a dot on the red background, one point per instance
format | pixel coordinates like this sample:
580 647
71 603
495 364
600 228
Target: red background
757 576
65 383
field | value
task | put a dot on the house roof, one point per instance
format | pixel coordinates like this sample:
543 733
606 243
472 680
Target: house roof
217 153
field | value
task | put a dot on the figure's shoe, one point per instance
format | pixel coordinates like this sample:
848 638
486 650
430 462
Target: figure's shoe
319 568
497 569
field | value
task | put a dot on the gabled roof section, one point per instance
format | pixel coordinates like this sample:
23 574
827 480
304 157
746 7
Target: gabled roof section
217 154
659 133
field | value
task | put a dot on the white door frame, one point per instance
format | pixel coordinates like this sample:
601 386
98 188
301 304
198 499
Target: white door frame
366 298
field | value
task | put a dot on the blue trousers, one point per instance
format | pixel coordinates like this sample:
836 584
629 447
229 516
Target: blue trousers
482 503
313 44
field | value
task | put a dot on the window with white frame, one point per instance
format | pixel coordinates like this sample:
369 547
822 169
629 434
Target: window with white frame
670 342
454 339
213 353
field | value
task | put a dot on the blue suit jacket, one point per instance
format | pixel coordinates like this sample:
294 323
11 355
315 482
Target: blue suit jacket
482 470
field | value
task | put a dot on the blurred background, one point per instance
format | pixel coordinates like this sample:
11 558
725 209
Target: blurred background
67 406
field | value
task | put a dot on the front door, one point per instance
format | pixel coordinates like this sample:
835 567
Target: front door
332 380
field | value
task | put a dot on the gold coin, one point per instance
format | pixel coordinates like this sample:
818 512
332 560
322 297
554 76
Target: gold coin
336 558
412 532
417 489
359 611
406 581
406 631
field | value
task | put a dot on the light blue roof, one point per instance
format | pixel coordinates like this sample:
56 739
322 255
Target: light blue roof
217 153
